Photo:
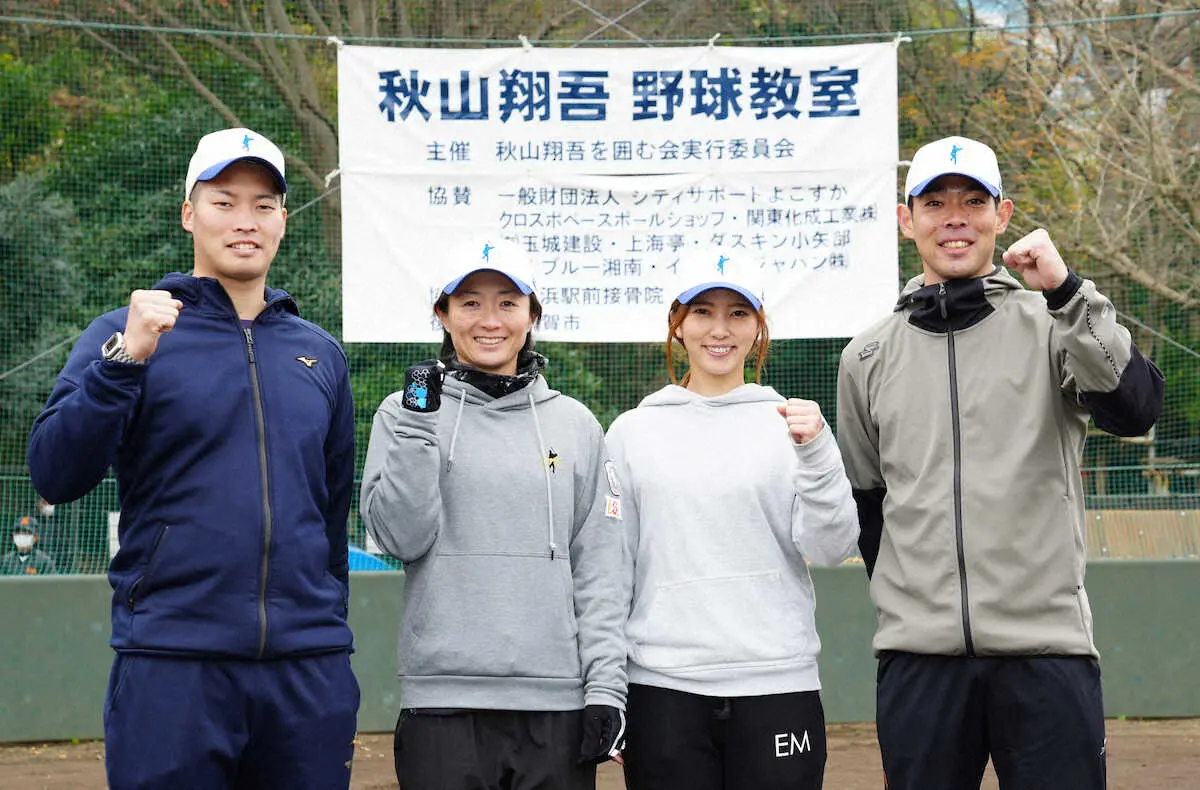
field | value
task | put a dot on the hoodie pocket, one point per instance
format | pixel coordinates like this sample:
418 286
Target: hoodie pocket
142 584
493 616
708 623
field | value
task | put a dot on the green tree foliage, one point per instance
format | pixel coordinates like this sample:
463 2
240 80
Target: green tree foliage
38 296
28 118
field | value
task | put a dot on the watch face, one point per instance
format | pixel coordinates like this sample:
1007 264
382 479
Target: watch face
113 350
113 346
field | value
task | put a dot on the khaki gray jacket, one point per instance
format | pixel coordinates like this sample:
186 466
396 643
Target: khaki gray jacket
961 420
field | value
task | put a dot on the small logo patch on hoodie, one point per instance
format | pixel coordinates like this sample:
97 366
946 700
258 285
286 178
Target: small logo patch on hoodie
612 507
868 350
552 460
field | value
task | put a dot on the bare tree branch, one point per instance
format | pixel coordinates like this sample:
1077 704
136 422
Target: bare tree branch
1126 265
215 42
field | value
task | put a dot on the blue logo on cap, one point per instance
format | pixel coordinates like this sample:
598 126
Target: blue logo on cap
954 149
487 249
721 263
246 142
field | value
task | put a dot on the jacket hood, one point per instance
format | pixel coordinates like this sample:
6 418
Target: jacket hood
674 395
999 281
951 305
209 295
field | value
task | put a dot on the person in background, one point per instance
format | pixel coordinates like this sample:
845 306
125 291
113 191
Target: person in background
229 423
729 491
26 559
491 488
962 417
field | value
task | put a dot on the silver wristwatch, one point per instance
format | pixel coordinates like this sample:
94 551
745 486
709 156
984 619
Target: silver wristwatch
113 350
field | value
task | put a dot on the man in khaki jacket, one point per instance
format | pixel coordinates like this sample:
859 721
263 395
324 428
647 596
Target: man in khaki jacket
961 419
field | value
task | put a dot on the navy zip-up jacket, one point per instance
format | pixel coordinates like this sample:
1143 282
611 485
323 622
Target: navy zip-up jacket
233 450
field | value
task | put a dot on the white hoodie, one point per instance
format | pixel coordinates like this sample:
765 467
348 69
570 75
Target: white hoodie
721 509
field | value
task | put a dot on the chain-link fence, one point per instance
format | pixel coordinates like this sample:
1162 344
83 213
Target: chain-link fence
1091 105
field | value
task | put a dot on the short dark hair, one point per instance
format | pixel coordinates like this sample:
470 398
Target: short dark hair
280 193
442 305
995 198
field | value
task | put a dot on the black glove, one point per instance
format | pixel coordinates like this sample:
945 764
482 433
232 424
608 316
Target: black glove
603 733
423 386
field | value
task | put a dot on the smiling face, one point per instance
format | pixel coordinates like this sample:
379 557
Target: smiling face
718 333
954 223
487 319
237 221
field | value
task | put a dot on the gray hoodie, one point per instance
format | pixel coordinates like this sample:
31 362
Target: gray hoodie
721 510
497 508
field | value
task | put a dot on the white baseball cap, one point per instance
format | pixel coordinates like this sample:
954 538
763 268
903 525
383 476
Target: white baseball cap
711 267
491 253
953 155
218 150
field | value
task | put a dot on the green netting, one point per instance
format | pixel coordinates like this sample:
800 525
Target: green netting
1092 107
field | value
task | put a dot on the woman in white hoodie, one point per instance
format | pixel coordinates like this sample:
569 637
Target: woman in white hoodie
728 491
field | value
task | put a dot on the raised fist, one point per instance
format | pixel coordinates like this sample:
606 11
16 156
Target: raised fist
803 418
423 386
151 315
1036 259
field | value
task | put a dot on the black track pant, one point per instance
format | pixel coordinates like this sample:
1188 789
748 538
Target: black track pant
692 742
1041 719
491 750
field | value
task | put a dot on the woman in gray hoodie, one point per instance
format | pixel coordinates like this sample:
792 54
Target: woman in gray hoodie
729 490
492 489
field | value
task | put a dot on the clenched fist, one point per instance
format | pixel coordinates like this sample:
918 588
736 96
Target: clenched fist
151 315
803 417
1036 259
423 386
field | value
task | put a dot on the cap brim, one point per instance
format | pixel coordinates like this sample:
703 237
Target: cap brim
215 170
691 293
992 189
522 286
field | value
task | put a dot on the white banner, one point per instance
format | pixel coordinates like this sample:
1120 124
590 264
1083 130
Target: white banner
607 166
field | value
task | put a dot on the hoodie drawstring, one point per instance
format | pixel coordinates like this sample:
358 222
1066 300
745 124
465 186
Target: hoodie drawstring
462 401
537 427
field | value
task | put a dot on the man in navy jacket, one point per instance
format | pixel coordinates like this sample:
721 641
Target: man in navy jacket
229 424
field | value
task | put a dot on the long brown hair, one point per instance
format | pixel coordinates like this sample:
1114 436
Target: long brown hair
762 343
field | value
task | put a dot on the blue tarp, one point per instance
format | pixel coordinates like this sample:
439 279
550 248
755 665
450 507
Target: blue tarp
361 560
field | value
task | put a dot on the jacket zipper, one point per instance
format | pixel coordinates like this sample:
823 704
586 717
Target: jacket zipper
956 432
261 426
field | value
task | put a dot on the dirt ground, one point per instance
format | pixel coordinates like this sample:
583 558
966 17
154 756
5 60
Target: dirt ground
1162 754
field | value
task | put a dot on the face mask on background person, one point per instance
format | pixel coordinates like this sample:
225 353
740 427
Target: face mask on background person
23 542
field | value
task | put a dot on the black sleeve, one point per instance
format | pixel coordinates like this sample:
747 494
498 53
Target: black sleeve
870 524
1134 406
